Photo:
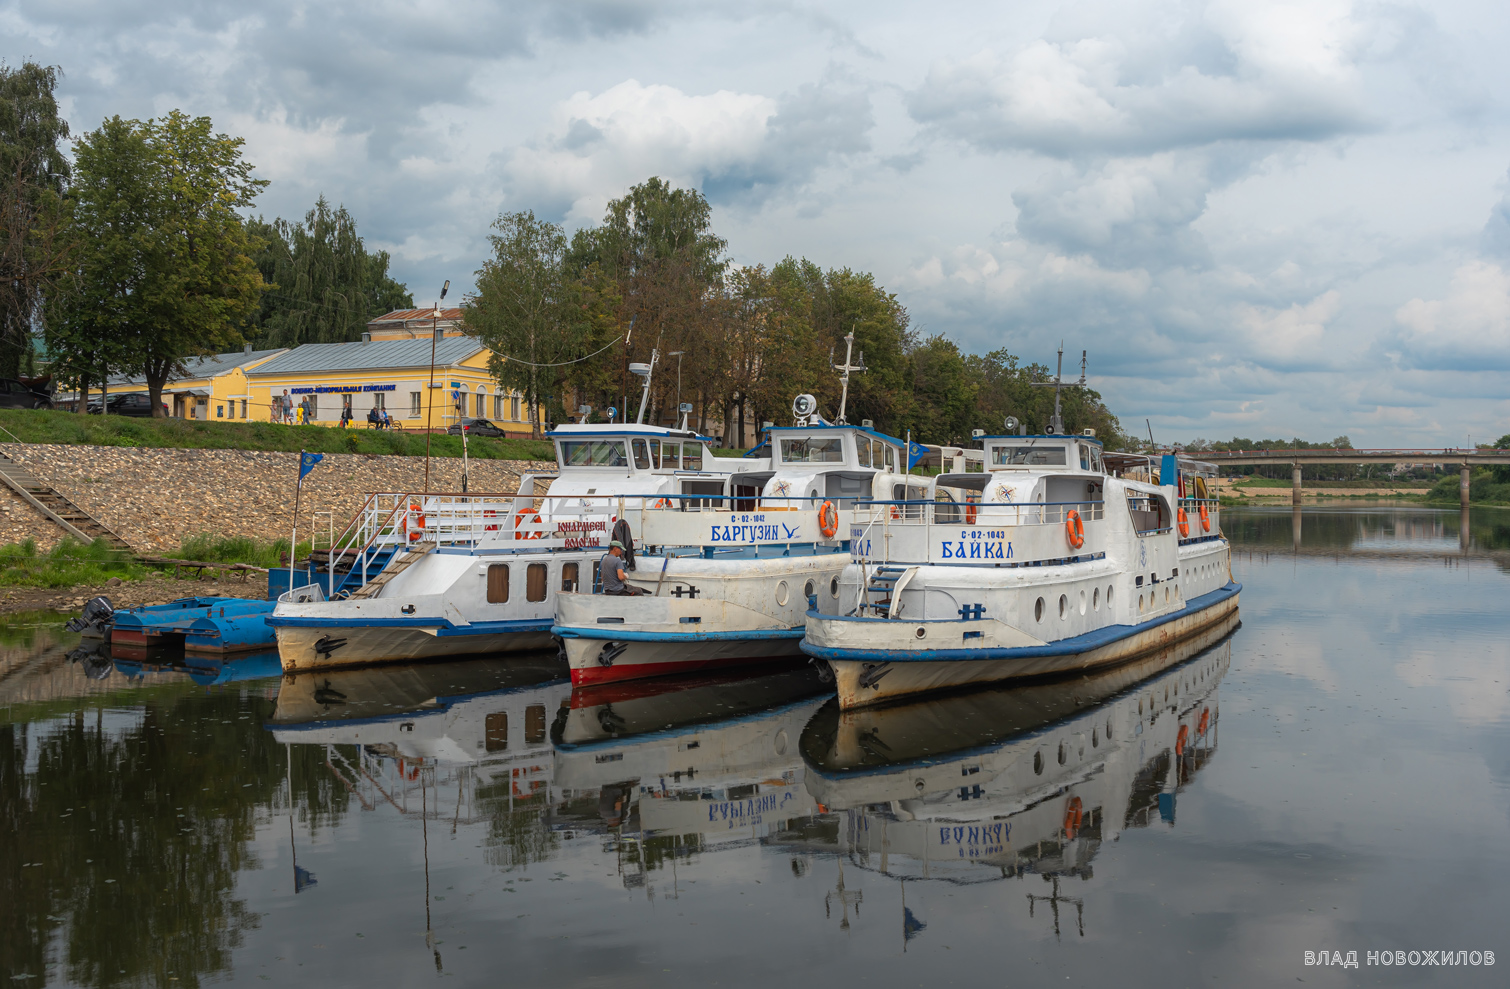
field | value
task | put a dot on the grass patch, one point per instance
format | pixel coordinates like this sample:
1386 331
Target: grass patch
72 429
68 564
1483 489
210 548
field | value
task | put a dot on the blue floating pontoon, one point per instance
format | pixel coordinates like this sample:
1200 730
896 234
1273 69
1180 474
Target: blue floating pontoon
199 624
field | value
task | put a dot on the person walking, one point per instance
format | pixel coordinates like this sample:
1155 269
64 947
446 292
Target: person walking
286 408
611 572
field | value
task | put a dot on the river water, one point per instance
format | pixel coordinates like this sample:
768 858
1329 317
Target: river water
1331 776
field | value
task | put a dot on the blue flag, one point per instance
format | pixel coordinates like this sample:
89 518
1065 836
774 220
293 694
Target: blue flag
307 462
914 453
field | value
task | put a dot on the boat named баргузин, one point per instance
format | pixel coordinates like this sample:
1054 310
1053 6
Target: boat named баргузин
1055 557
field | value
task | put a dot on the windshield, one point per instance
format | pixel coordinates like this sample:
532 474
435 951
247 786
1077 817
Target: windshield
1047 456
592 453
812 451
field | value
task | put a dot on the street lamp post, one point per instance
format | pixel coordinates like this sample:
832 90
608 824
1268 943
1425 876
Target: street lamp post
430 405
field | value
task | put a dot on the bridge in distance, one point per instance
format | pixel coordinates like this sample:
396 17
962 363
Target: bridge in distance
1467 459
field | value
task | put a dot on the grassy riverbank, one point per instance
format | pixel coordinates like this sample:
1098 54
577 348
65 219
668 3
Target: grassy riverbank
1483 489
69 428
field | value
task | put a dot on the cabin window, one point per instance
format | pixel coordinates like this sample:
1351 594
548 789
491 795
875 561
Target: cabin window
711 491
1085 457
891 458
812 451
863 446
641 455
535 578
498 583
692 456
1028 456
596 575
496 731
655 454
671 456
593 453
568 576
534 724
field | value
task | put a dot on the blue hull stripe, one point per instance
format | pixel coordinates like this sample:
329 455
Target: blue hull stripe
1064 647
442 626
631 635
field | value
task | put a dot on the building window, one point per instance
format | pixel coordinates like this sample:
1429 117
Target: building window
534 582
414 405
243 408
220 412
379 400
496 731
498 583
514 408
482 405
568 576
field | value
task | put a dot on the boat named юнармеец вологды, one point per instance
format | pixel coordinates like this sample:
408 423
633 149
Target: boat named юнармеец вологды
1054 557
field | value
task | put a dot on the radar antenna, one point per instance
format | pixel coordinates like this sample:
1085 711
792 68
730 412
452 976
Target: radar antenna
1056 424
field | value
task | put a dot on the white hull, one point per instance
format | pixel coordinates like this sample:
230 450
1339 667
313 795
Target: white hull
610 660
368 645
904 678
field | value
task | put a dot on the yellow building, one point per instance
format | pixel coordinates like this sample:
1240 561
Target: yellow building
393 374
213 388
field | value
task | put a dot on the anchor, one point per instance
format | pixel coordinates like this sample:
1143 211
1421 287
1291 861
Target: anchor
326 645
611 651
871 673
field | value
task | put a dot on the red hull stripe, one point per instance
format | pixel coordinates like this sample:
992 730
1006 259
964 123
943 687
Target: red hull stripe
629 690
636 671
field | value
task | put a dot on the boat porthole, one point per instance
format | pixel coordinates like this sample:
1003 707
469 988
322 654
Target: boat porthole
1038 610
1063 755
921 632
1038 763
1108 595
919 785
1108 729
1064 606
807 589
833 588
1166 595
1140 707
1095 737
781 742
782 593
1140 604
1082 602
1096 599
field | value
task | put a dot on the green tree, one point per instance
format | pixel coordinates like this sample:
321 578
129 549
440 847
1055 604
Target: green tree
165 272
34 243
529 310
323 285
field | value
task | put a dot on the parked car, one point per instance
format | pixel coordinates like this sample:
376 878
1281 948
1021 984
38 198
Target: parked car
126 404
474 427
19 395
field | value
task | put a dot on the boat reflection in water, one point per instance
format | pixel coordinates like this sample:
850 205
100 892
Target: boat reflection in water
673 765
487 720
1006 782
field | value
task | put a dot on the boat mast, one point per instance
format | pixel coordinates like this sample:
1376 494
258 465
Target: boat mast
844 370
1056 424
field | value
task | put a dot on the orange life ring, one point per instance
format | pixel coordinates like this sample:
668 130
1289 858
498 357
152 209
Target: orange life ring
1179 742
418 532
1184 524
896 512
969 513
519 520
828 520
662 503
1205 721
1205 519
1073 814
1074 529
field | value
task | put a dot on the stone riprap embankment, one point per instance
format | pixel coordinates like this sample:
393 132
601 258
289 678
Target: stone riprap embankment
155 499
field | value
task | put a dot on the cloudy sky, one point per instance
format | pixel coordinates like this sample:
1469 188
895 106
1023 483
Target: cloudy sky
1261 219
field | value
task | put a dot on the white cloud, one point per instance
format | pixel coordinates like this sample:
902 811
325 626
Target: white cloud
1469 329
1115 79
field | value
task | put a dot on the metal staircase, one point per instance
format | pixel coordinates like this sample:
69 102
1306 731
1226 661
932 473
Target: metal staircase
878 587
374 585
73 519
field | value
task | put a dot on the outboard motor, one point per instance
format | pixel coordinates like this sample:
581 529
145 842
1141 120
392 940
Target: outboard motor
92 658
97 614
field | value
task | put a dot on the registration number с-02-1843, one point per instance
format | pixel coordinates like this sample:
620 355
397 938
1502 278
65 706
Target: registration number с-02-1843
977 544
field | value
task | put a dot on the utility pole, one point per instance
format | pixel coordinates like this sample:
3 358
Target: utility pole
430 405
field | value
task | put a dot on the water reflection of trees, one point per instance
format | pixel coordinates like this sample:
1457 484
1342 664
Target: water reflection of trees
125 831
519 830
1343 529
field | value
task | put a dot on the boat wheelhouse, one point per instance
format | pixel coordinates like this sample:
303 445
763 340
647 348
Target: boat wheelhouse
725 578
1058 556
419 575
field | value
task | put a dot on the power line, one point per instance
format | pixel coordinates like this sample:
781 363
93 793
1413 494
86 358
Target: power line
579 360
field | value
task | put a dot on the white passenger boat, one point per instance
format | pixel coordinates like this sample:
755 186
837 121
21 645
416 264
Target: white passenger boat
448 574
1056 557
999 781
728 580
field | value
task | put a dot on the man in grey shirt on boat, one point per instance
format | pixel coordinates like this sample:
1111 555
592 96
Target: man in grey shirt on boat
611 572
